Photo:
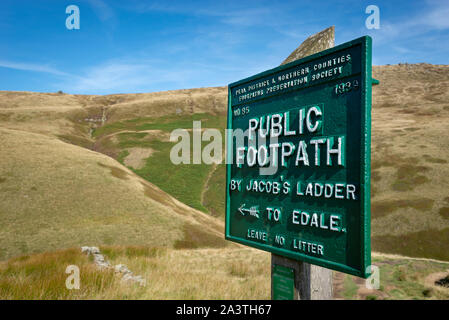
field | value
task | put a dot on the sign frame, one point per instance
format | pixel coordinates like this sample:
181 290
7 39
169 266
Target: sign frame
365 162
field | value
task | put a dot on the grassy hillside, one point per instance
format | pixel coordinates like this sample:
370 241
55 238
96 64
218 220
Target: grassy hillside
400 279
55 195
410 168
410 160
95 170
238 273
170 274
128 139
410 143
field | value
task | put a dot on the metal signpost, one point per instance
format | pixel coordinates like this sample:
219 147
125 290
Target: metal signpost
298 182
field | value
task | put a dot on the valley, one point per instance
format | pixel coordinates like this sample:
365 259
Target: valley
67 181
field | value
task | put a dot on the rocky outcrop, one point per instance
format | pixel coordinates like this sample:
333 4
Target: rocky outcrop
101 262
318 42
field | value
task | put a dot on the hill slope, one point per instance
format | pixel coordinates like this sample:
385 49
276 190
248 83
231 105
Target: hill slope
410 167
237 273
410 160
410 145
55 195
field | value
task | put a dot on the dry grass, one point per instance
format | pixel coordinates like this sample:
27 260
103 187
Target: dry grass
54 195
203 274
43 276
170 274
136 157
237 273
410 148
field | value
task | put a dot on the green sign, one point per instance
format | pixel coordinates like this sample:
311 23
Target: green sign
298 159
283 281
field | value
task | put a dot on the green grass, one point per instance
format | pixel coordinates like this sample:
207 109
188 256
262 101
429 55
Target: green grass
400 279
122 155
426 244
183 181
77 140
350 287
131 140
165 123
409 162
54 195
132 136
383 208
214 196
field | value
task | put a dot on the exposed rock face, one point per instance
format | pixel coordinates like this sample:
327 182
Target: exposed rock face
318 42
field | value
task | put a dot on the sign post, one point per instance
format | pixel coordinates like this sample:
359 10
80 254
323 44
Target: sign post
282 283
298 167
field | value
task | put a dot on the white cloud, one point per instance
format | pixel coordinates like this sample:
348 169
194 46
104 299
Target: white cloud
244 17
124 76
32 67
437 18
434 19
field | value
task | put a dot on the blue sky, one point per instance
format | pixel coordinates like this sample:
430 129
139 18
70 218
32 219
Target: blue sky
145 46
